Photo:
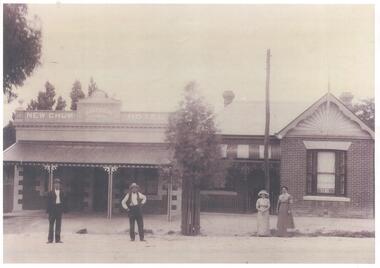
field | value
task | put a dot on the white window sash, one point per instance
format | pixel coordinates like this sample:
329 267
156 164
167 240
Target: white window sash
224 150
261 151
243 151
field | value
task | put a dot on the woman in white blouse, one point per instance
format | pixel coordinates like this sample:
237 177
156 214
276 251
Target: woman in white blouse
262 206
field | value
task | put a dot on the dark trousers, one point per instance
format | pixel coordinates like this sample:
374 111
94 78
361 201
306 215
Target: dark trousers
136 215
55 217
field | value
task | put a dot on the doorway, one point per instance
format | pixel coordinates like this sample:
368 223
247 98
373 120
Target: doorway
255 183
100 190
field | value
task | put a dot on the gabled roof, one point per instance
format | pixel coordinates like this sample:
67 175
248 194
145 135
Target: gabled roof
248 117
327 98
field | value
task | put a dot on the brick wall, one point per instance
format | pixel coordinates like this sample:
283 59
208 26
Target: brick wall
360 179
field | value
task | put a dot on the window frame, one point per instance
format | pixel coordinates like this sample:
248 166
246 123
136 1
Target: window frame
312 172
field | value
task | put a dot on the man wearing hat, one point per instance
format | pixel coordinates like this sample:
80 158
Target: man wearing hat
133 202
55 207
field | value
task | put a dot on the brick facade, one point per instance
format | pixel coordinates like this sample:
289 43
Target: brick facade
359 179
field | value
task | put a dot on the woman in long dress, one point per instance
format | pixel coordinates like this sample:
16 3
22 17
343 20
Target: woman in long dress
262 206
285 218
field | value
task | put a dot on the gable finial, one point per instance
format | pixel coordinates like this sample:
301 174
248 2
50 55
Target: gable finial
328 84
328 98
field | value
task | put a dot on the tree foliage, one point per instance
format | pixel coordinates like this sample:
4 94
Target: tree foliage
22 47
192 137
76 94
61 104
92 86
9 135
45 99
365 110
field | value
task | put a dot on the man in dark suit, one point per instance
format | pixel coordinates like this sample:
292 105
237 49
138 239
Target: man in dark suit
56 200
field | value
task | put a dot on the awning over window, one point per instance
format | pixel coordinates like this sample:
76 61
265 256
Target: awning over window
87 153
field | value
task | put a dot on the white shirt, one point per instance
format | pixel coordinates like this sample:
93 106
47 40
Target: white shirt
57 199
134 201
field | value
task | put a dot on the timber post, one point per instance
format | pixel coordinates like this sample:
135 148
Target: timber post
50 169
110 170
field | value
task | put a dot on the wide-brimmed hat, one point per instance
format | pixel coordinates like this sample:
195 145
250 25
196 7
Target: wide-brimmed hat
133 185
263 192
56 180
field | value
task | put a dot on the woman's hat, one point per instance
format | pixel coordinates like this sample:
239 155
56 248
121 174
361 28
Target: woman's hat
133 185
263 192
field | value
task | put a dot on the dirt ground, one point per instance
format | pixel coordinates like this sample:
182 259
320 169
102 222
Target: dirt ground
225 238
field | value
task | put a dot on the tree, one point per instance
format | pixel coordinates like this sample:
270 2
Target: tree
92 86
9 135
61 104
45 99
365 110
191 134
22 47
76 94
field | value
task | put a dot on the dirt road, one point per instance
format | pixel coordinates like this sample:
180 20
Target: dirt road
174 248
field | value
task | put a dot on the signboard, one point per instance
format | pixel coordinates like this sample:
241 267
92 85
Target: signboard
95 114
51 116
141 117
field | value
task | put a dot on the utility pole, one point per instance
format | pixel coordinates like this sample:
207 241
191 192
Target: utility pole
267 122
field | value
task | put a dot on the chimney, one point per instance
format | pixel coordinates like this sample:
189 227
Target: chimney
20 105
346 98
228 96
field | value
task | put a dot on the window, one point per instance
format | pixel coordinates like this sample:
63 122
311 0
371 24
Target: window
224 150
261 151
151 186
326 172
147 179
243 151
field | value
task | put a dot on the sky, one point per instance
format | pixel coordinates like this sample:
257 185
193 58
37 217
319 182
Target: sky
144 55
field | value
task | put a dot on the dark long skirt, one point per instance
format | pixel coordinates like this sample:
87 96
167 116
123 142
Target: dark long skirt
284 220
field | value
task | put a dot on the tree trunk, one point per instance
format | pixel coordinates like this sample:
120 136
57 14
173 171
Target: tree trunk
190 224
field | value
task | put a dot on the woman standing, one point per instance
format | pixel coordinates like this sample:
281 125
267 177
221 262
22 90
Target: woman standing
262 206
285 218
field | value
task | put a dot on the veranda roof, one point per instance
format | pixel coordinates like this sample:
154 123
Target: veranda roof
68 153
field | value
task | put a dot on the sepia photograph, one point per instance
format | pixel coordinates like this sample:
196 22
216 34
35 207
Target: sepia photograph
188 133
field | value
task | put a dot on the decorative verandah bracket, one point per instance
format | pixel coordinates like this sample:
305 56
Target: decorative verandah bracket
110 171
50 169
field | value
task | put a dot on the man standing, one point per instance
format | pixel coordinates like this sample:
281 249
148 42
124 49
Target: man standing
133 202
55 206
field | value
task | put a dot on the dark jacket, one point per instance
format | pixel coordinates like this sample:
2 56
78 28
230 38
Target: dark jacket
51 197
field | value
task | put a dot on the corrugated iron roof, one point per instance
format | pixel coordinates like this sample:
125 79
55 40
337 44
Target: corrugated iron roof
248 117
87 153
